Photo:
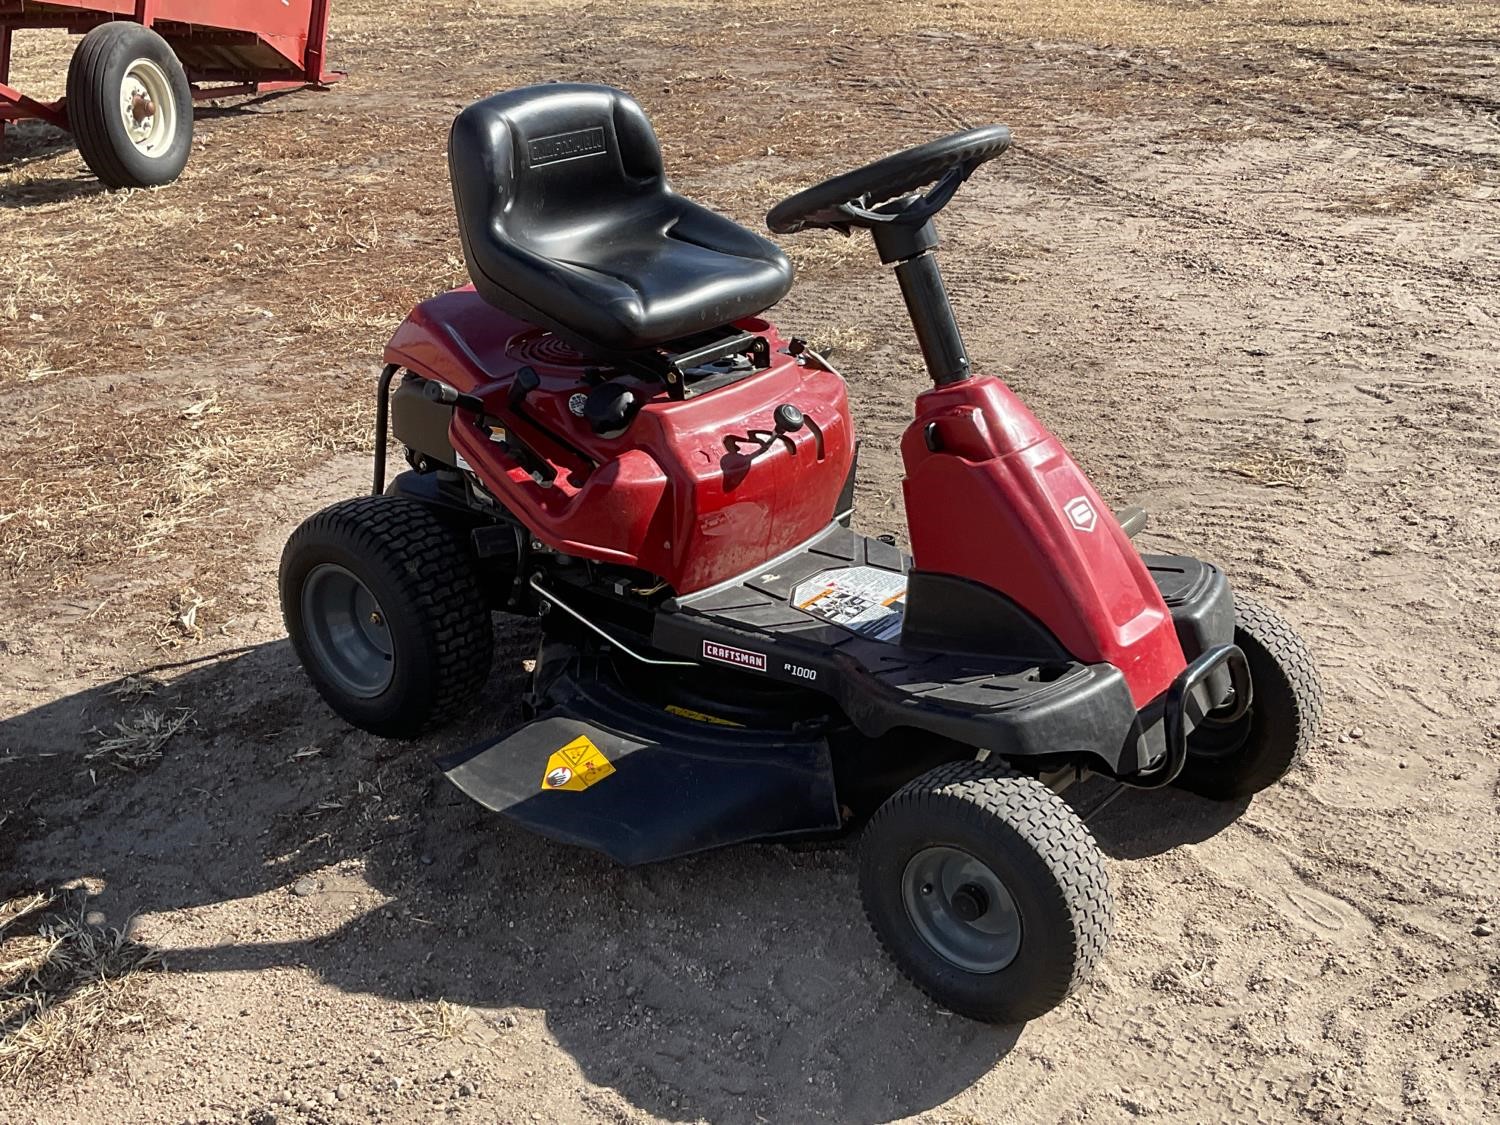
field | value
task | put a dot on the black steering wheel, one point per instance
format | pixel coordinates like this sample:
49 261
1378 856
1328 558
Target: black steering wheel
863 197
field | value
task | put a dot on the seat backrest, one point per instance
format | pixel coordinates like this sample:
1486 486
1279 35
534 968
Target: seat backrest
536 164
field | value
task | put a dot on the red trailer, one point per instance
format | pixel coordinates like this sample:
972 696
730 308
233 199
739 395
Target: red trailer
142 63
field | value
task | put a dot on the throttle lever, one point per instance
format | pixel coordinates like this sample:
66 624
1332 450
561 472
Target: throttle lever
435 391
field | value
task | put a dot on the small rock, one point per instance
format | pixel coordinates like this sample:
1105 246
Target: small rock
342 1093
450 1074
305 886
1483 929
426 861
1356 733
262 1117
94 918
466 1090
397 1082
1401 765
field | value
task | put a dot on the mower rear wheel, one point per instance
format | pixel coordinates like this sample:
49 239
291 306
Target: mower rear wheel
1227 761
986 890
384 610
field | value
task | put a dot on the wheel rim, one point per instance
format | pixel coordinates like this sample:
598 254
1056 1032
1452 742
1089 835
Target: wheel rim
148 107
347 631
1214 739
961 909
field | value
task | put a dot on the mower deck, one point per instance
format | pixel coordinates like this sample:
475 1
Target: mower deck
827 618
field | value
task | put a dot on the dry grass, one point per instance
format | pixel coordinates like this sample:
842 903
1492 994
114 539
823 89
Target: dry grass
65 987
1273 469
1407 195
440 1020
138 741
118 484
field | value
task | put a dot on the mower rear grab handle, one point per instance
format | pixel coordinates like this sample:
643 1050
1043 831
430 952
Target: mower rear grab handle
1174 707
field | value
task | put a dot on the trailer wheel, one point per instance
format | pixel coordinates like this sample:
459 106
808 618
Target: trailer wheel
1232 760
383 607
130 106
986 890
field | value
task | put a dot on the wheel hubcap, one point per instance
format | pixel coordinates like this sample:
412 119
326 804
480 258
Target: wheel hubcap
347 632
147 108
961 909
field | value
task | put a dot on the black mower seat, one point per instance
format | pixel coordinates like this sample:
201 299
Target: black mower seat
567 221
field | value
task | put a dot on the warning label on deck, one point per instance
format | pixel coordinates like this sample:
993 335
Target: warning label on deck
576 766
865 599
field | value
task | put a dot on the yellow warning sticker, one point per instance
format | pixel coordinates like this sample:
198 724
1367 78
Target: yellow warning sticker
576 766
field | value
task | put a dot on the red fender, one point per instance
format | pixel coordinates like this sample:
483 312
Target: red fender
992 496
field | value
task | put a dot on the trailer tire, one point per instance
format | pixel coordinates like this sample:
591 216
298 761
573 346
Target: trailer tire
384 610
119 72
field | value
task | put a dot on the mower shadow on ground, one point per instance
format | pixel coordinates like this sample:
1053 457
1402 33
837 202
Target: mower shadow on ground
1148 822
737 985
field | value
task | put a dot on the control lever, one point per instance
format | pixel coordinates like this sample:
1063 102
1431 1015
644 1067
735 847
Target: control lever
525 381
448 396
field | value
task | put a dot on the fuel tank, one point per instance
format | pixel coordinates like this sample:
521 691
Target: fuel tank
694 490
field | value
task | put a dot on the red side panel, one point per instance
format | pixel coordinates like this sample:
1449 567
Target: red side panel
993 497
689 492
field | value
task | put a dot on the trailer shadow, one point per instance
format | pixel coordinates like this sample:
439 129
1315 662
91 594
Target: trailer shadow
741 984
31 143
26 142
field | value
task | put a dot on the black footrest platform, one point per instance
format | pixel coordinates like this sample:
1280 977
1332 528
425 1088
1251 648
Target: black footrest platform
828 617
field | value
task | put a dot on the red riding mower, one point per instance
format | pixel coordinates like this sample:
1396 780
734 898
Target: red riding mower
604 433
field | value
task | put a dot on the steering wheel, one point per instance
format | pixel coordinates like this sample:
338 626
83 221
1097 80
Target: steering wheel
883 192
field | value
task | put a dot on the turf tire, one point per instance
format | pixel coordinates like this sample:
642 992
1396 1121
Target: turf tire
1255 752
420 572
1040 850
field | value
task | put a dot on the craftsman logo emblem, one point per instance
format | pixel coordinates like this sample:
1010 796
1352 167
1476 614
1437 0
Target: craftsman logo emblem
576 766
739 657
576 404
566 146
1081 513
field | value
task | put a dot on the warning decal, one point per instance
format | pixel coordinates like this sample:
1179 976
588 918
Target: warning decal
576 766
865 599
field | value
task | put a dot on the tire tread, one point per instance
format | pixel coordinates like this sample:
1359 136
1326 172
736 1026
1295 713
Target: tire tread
990 791
436 574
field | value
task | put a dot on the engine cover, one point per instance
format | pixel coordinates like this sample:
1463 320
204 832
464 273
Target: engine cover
695 490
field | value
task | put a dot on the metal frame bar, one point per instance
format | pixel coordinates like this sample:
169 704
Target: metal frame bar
16 106
584 621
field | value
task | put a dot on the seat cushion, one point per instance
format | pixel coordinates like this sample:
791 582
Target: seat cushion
568 221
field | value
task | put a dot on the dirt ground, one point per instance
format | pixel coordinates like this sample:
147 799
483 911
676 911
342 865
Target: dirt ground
1243 258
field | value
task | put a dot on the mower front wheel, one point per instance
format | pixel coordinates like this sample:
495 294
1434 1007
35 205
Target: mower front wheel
384 610
986 890
1227 761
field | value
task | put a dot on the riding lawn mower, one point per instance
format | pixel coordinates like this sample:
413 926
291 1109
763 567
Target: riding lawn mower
605 434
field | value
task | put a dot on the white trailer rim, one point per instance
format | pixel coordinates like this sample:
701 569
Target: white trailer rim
148 108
